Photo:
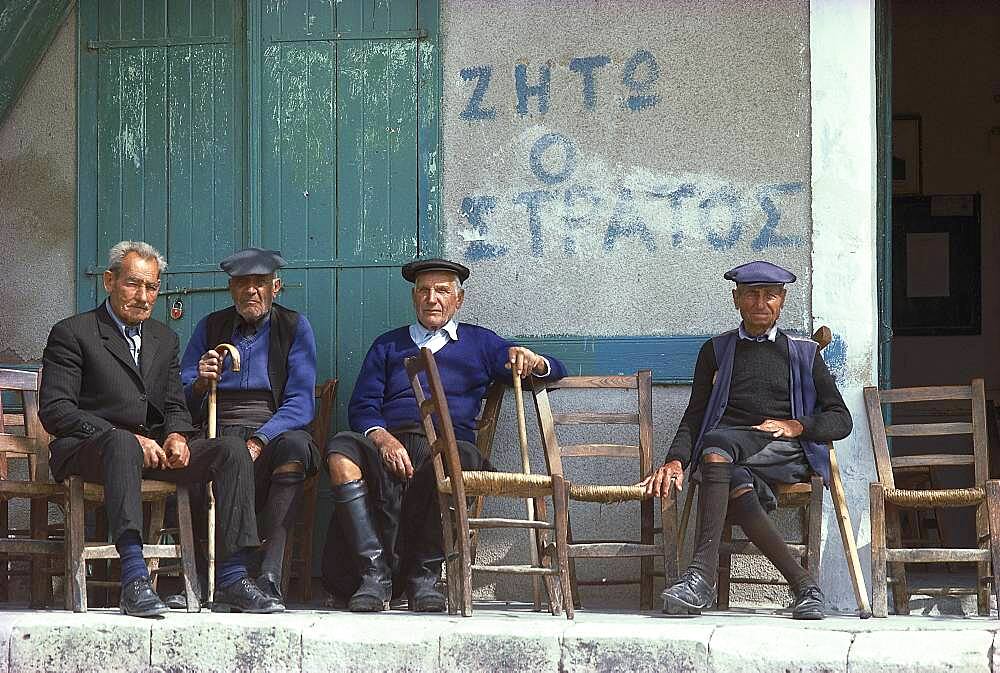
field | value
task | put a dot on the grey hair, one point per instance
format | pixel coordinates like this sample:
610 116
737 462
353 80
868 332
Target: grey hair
119 251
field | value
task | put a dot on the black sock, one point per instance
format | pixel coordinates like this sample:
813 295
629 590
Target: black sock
713 497
279 517
746 512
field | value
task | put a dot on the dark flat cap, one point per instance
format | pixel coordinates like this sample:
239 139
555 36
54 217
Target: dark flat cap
759 273
418 266
252 262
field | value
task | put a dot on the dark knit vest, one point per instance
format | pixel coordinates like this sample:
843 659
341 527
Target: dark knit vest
219 327
801 388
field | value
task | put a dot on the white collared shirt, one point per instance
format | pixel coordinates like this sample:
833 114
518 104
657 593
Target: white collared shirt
769 335
132 333
435 340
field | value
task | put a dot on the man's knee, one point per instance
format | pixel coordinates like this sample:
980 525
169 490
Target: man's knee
231 449
292 472
715 458
296 447
342 469
121 447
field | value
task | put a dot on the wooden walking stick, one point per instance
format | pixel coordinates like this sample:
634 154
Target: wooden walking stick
221 349
522 436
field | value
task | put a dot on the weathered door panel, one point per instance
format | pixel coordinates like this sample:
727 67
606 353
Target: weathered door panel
162 113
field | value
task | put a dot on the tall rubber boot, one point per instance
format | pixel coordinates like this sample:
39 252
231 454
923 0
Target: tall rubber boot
355 520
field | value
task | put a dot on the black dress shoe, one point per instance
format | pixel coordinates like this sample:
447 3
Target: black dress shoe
373 594
244 596
270 585
689 595
422 594
808 603
139 600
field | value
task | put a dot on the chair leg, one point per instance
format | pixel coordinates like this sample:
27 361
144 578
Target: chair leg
646 562
76 566
983 567
157 512
186 535
880 599
815 524
897 571
560 506
536 510
4 558
671 542
305 543
41 586
452 562
574 587
993 515
725 566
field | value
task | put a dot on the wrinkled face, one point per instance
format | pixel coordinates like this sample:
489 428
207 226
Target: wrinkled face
132 290
759 305
253 295
437 296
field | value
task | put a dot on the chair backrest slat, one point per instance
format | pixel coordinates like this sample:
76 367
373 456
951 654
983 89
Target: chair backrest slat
34 442
880 432
326 392
641 382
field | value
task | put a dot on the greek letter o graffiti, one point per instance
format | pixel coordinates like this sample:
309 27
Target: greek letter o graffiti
569 158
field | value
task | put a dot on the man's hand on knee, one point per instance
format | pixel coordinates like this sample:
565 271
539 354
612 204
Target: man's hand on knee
394 455
790 428
153 455
176 450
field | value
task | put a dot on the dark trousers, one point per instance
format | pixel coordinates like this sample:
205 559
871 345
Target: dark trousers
114 458
405 512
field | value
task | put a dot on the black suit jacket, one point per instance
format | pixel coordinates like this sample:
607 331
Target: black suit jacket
90 383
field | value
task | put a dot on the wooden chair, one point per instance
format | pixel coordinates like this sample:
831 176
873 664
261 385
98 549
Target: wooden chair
299 549
888 556
22 436
455 485
486 429
807 500
645 549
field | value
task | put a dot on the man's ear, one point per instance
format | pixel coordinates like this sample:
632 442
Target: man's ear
277 284
736 299
109 279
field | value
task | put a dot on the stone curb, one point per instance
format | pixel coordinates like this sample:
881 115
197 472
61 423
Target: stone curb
493 640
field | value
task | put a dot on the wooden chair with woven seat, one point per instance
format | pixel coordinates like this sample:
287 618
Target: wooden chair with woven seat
806 499
22 436
454 485
645 547
298 557
486 429
888 556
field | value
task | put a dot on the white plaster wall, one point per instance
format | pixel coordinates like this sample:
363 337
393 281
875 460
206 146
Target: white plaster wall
844 248
38 203
626 219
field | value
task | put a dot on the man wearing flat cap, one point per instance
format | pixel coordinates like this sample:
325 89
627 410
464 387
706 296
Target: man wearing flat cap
268 403
386 524
763 405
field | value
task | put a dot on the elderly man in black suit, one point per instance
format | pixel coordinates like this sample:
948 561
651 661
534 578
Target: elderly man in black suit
111 396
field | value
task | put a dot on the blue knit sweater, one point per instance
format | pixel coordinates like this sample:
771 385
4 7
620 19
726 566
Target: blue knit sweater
383 396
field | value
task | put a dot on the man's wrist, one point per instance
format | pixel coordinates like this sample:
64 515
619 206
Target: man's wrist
547 368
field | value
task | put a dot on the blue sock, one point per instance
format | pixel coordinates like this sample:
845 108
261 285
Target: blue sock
129 546
231 570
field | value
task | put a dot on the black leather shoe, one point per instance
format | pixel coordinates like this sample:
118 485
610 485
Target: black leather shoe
270 585
689 595
371 596
244 596
139 600
422 594
808 603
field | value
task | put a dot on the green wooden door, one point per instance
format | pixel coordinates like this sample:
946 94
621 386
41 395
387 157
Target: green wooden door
160 145
307 126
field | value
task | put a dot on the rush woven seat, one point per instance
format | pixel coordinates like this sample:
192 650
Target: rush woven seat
454 489
888 553
507 484
949 497
574 392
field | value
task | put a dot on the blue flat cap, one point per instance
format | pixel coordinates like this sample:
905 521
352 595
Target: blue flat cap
252 262
759 273
418 266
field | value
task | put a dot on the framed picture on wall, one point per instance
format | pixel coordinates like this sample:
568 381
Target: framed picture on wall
936 265
906 160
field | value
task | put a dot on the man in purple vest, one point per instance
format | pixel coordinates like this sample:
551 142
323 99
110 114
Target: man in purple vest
386 524
763 405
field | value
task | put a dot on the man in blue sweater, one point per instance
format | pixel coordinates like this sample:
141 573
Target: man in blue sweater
386 524
763 405
268 403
